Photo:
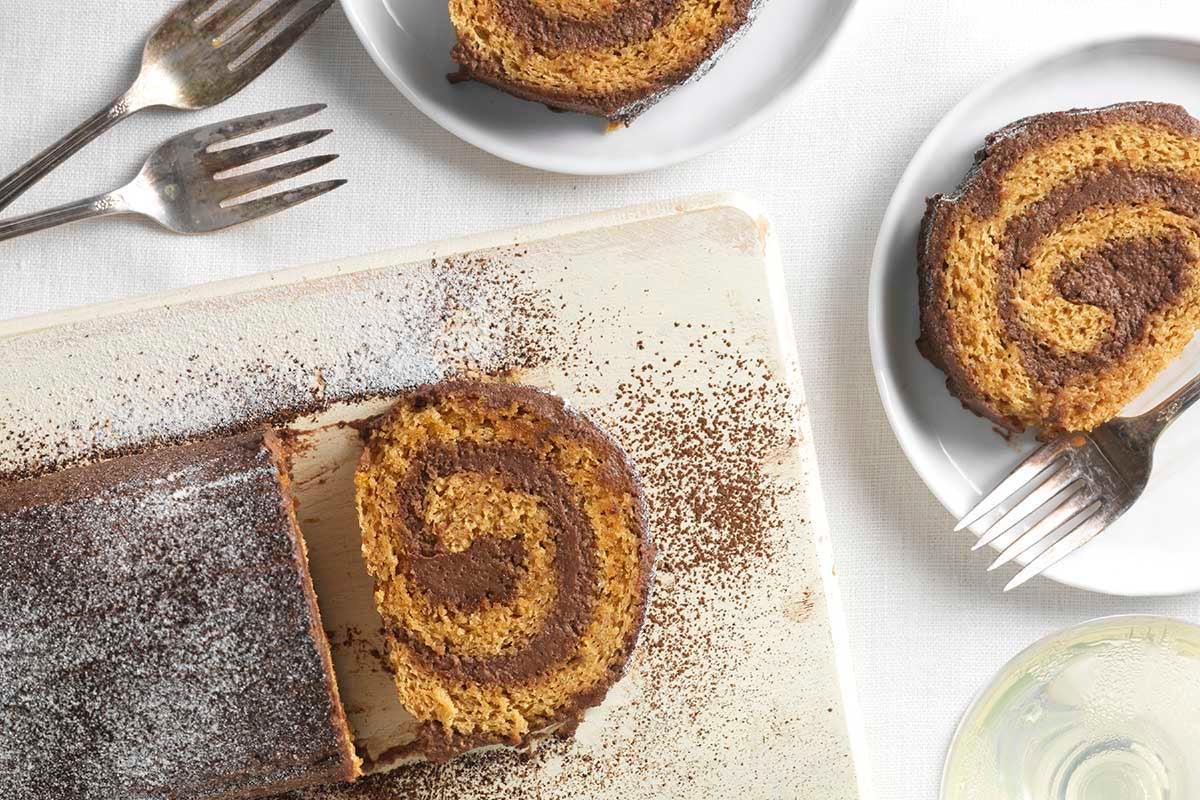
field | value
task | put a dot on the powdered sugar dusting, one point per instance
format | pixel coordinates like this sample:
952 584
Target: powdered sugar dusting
234 361
157 638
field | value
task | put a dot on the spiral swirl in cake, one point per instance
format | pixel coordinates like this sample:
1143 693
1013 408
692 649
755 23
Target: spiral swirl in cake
1060 278
610 58
507 538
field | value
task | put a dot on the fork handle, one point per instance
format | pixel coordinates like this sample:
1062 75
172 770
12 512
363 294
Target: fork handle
45 162
1170 409
100 206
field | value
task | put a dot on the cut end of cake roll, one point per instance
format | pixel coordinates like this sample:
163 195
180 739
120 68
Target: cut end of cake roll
1061 277
609 59
161 633
507 538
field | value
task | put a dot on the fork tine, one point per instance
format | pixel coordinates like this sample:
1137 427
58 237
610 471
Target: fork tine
241 185
1061 476
1077 538
256 151
266 206
190 10
271 52
244 126
1075 505
1022 474
221 21
248 35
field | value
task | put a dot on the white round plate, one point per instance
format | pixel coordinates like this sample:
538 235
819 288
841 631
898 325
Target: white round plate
1154 549
410 40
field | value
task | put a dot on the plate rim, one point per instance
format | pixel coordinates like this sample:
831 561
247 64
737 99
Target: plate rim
834 28
890 225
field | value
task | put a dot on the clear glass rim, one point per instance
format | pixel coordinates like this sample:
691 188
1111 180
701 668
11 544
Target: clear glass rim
1097 622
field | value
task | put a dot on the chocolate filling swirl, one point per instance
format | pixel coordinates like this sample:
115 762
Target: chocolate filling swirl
1131 278
634 21
490 568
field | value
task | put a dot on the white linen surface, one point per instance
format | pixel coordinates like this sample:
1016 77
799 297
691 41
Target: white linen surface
928 627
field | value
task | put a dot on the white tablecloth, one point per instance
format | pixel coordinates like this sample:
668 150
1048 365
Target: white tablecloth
928 627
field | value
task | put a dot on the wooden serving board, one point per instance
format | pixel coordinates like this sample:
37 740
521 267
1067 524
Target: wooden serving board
668 324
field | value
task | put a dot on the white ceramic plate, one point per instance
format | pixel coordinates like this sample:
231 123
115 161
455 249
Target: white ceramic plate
410 40
1155 548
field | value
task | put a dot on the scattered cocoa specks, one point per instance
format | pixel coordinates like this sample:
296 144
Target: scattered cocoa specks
802 609
704 467
368 649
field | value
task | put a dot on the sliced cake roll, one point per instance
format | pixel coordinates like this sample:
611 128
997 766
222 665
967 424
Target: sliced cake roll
159 635
507 538
1062 276
610 59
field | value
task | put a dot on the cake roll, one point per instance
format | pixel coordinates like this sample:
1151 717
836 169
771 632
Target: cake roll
1060 278
508 541
160 637
612 60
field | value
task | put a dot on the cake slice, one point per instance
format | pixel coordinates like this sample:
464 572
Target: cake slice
507 538
613 60
160 637
1061 277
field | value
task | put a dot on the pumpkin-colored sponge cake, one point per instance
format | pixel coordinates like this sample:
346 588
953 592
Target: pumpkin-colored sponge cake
507 538
610 58
1061 278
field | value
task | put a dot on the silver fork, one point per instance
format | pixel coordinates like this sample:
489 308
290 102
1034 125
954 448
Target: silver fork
1089 481
183 185
187 65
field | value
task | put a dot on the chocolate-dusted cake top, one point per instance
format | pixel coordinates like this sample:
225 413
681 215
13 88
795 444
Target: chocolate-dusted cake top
613 60
1060 277
160 636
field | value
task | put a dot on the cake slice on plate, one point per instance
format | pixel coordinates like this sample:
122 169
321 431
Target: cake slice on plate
1062 275
612 60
